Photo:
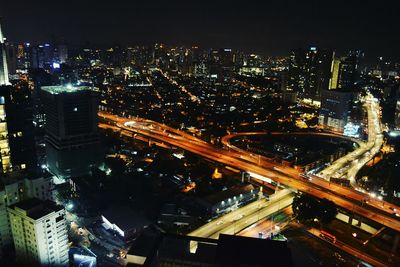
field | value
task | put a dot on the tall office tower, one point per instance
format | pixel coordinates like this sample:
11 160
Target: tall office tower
15 187
72 138
397 116
226 60
3 61
310 71
345 70
288 94
62 53
19 127
5 161
317 72
39 232
350 69
11 55
21 56
335 109
24 56
296 71
335 70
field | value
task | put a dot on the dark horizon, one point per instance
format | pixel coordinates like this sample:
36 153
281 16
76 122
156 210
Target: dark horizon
265 28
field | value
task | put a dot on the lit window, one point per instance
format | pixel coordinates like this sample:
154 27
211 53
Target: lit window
75 109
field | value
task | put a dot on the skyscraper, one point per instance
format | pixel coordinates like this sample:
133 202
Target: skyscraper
39 232
18 124
310 71
3 61
5 160
317 72
20 129
72 138
335 70
335 109
345 70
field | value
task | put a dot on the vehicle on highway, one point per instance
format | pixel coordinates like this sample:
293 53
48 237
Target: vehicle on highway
327 236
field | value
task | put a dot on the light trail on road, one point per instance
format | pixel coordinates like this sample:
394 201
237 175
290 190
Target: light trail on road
351 200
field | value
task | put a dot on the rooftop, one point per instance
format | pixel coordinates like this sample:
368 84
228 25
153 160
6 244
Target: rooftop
229 193
244 251
124 217
227 251
19 176
60 89
36 208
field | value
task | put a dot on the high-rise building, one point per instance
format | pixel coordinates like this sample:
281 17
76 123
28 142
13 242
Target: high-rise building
288 94
310 71
72 137
335 109
397 116
15 187
345 70
62 53
5 161
335 70
295 79
11 56
39 232
317 72
3 61
24 56
18 122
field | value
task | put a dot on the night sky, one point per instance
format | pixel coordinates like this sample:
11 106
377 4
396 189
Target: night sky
267 27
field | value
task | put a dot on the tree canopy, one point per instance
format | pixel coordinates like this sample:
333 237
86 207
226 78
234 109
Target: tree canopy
308 208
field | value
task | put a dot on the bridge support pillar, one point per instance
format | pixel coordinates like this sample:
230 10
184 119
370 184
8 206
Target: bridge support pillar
245 177
359 222
396 241
351 216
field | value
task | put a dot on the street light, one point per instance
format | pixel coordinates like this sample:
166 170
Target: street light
70 206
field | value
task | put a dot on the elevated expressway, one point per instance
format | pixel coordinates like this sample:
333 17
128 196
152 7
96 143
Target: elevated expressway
357 202
350 164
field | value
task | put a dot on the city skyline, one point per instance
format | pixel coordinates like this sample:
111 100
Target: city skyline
266 28
199 133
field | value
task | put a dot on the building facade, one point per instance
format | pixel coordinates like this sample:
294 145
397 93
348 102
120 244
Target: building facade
4 137
39 232
15 187
18 129
309 72
72 137
3 61
335 109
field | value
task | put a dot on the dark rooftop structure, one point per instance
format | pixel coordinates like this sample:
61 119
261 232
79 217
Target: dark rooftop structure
36 208
124 220
243 251
225 200
156 250
229 193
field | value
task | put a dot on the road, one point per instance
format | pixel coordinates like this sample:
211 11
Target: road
350 250
350 164
245 216
352 200
274 224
